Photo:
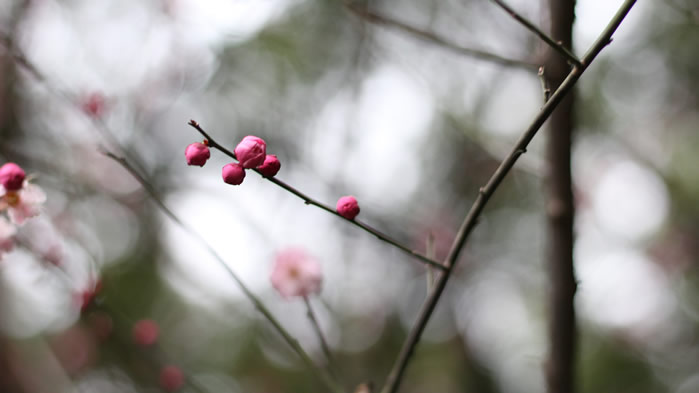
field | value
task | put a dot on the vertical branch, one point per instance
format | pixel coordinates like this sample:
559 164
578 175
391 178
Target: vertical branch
560 211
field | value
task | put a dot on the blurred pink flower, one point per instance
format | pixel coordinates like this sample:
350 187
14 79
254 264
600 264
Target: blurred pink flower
271 166
7 236
171 378
348 207
197 153
233 173
251 152
24 203
145 332
296 273
11 176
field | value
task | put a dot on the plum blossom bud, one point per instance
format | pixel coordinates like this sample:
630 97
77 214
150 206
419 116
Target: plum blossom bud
145 332
11 176
296 273
251 152
171 378
93 105
197 153
233 173
348 207
270 167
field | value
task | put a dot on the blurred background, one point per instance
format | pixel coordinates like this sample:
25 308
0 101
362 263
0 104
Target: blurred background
408 127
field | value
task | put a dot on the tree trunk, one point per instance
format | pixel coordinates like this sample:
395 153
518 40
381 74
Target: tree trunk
560 211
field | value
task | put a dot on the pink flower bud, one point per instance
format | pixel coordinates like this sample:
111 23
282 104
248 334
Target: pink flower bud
11 176
171 378
94 105
197 153
251 152
145 332
348 207
296 273
270 167
233 173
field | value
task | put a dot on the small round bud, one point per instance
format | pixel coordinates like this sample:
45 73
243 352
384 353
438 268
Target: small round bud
270 167
251 152
145 332
12 176
197 153
348 207
171 378
94 104
233 173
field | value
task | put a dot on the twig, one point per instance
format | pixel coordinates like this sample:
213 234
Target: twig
293 343
544 84
8 42
379 19
310 201
396 374
431 252
557 46
319 332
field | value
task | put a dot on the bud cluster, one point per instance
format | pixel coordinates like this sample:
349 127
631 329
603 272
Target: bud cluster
251 153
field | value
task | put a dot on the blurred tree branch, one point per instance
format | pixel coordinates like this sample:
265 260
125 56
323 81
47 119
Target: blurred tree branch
379 19
559 46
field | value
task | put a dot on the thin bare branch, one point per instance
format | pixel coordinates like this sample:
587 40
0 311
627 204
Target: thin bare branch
310 201
319 332
431 252
557 46
545 88
376 18
395 376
